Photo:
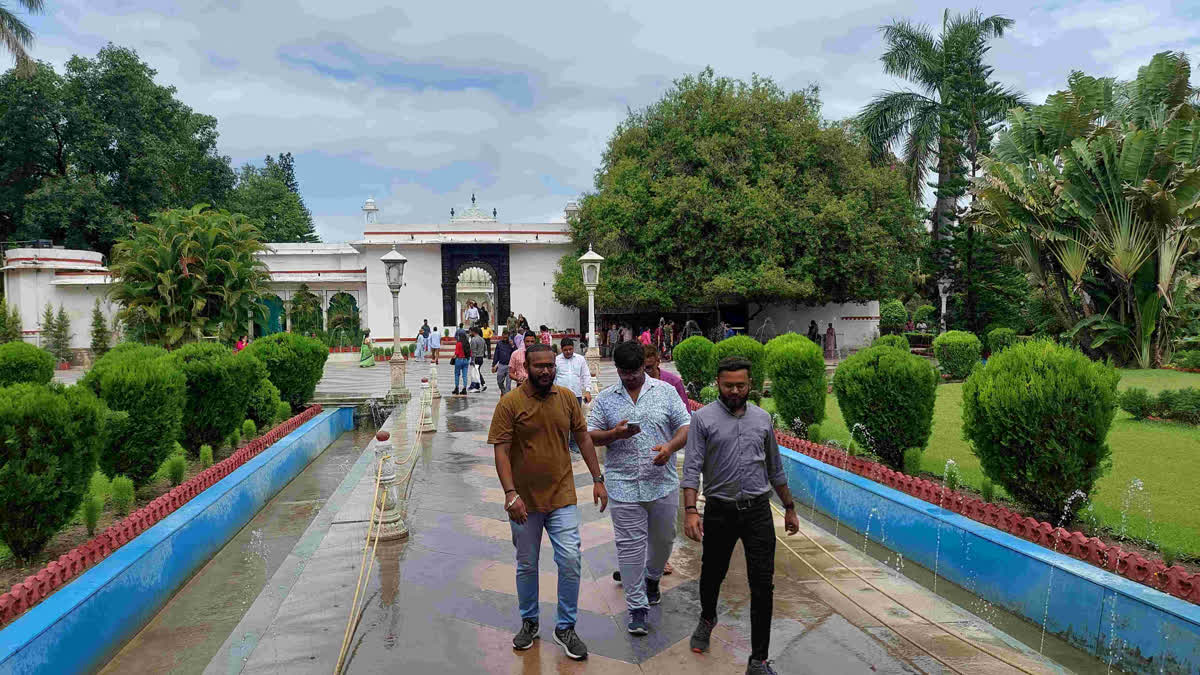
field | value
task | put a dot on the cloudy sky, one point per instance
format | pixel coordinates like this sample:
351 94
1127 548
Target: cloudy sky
420 106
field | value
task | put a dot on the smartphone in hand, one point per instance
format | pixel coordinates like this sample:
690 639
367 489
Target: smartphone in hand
634 427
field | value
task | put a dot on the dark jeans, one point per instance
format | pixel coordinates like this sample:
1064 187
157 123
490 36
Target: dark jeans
724 524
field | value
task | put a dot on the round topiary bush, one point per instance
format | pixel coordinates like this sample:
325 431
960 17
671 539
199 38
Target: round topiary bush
957 352
892 317
1037 415
22 362
50 436
747 348
779 341
797 371
709 394
999 338
294 364
924 314
264 404
694 359
897 341
890 393
219 385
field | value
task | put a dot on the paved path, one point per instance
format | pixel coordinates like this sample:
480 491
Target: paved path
445 601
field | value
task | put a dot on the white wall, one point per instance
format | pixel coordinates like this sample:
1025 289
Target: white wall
852 333
421 297
34 277
531 268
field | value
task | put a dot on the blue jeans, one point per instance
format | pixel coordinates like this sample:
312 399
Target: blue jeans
563 527
460 368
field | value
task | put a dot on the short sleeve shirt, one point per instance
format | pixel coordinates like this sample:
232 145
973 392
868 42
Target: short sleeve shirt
537 427
629 470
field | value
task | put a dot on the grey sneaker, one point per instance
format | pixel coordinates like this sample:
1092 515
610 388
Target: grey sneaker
653 594
759 668
637 622
529 632
702 634
571 643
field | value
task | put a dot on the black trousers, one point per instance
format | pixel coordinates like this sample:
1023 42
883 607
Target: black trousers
724 524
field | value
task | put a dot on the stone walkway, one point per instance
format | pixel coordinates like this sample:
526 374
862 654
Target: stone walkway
444 601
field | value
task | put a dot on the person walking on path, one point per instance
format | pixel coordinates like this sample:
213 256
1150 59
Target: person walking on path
645 338
643 423
732 444
366 354
654 369
572 372
435 345
462 357
529 433
479 352
500 360
516 364
830 343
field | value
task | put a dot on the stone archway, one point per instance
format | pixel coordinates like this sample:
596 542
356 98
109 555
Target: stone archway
476 284
344 319
274 319
491 258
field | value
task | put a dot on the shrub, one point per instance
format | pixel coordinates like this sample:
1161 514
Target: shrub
219 385
176 468
748 348
1000 338
1189 359
988 490
22 362
152 390
924 313
294 363
815 433
897 341
1037 416
49 436
206 456
264 404
101 336
122 495
952 477
10 322
1182 405
235 439
891 394
283 412
249 430
911 464
797 371
892 317
694 359
957 353
708 394
1137 402
779 341
93 505
919 339
99 484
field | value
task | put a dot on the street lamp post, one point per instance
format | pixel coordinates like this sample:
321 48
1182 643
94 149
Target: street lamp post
944 290
590 262
393 267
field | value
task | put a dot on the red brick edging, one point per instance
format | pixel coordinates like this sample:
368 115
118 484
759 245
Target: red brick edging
58 573
1174 580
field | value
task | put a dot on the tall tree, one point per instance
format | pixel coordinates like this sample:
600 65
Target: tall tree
264 197
736 191
17 37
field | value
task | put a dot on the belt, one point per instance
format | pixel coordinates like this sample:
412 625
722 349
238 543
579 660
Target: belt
739 505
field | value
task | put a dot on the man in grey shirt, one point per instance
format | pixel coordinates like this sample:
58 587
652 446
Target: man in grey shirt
732 443
479 351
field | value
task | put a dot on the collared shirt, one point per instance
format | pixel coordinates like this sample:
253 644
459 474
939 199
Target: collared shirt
572 373
487 332
516 365
676 382
503 353
472 314
737 455
536 427
478 347
630 472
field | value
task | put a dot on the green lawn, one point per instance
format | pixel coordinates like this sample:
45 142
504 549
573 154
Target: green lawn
1165 456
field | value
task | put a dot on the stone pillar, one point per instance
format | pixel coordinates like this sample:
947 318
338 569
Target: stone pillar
386 513
426 425
398 393
434 392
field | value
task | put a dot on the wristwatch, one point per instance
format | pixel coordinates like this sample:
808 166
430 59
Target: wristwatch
598 479
790 506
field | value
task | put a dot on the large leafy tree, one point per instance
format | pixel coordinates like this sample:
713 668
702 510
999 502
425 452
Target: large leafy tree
265 196
1098 193
736 191
17 37
189 274
83 153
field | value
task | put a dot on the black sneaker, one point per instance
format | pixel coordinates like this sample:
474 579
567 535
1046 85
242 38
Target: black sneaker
759 668
455 392
653 594
617 576
570 643
637 622
529 632
702 635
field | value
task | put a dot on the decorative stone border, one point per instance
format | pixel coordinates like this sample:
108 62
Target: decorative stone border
1174 580
58 573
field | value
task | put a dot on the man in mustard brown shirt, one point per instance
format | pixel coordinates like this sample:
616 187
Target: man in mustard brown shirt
529 431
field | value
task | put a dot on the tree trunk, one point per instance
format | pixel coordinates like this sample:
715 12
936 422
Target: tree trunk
943 208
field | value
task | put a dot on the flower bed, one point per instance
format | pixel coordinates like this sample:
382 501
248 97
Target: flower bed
1182 370
1174 580
58 573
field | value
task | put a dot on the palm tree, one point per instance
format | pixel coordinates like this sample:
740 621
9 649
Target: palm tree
937 122
17 36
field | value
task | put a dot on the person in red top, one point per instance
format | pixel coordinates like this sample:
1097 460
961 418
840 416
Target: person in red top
645 337
241 344
546 337
462 358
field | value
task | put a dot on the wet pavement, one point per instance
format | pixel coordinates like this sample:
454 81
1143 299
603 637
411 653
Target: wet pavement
444 600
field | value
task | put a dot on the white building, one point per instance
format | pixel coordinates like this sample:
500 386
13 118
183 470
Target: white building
507 267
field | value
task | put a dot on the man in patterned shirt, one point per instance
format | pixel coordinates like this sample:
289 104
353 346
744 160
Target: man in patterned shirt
644 423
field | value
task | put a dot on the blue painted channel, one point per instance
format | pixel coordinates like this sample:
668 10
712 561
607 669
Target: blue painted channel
87 621
1136 628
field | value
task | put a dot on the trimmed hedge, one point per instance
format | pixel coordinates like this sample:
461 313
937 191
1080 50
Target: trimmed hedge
779 341
797 371
1189 359
22 362
924 313
264 404
1182 405
1000 338
152 390
919 339
1037 416
1138 402
897 341
748 348
891 394
219 385
892 317
50 436
709 394
957 352
694 359
294 363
